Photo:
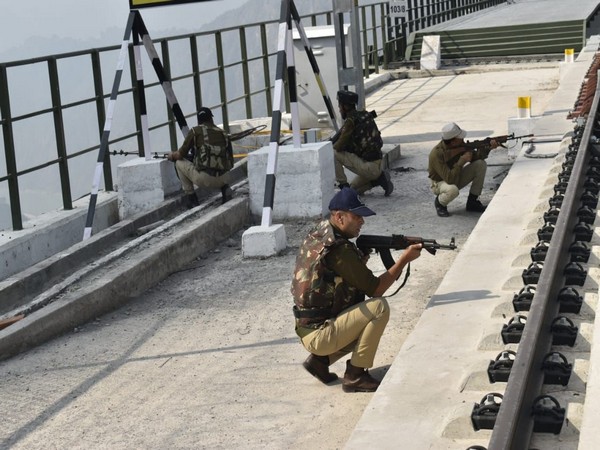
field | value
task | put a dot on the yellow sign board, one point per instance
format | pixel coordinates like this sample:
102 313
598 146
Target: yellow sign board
136 4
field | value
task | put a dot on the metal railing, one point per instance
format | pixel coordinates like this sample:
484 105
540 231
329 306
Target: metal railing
229 70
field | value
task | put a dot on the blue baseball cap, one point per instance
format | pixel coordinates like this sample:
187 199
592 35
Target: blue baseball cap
348 200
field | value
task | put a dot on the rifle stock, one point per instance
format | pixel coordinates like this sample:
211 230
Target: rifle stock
384 244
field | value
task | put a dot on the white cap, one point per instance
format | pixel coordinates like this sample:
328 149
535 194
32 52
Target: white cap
451 131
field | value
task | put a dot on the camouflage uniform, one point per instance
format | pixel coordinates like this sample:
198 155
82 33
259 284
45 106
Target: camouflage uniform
329 287
359 149
212 158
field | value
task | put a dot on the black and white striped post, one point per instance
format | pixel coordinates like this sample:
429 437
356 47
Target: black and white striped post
285 58
87 232
164 81
141 92
135 25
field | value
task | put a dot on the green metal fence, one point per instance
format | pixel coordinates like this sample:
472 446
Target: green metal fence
230 70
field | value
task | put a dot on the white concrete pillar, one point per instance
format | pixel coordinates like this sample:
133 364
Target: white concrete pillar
524 107
569 55
263 241
305 179
431 53
143 184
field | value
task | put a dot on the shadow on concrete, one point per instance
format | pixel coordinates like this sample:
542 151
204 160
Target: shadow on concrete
460 296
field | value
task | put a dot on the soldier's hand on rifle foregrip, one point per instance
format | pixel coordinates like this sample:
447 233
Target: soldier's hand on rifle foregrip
412 252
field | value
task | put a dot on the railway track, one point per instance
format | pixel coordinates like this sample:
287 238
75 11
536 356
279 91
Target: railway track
544 380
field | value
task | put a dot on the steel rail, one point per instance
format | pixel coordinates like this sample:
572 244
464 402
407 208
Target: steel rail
514 424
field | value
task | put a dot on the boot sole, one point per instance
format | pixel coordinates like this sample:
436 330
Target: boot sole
355 389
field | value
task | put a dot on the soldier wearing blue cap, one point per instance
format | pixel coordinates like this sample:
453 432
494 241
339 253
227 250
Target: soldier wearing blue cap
357 147
204 159
330 285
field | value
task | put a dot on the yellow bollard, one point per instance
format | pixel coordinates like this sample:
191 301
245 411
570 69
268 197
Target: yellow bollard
524 107
569 55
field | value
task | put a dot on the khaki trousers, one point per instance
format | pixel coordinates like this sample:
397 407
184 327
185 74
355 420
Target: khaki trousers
357 329
473 173
189 177
366 171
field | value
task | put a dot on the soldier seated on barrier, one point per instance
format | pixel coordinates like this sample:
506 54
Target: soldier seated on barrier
204 159
331 281
357 147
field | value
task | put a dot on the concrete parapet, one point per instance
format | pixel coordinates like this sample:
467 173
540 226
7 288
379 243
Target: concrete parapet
52 232
304 180
263 241
144 184
144 262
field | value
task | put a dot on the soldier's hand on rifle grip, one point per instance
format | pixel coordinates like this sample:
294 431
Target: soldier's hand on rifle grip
467 156
365 257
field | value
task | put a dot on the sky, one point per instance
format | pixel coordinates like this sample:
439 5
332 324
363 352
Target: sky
30 28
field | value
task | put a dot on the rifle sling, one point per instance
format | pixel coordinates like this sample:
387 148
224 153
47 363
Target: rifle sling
406 275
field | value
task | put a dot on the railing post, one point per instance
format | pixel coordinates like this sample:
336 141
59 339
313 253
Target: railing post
59 131
365 44
196 71
245 73
266 71
9 152
375 40
222 84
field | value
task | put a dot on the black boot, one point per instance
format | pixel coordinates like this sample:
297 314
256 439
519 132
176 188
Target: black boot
343 185
441 210
474 205
357 379
226 193
318 366
190 200
385 182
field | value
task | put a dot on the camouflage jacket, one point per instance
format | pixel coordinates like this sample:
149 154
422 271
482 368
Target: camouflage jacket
360 135
210 147
319 293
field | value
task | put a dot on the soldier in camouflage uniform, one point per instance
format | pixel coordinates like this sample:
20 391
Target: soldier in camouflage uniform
211 160
330 285
358 148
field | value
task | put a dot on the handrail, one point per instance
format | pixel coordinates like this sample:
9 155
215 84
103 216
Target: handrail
382 42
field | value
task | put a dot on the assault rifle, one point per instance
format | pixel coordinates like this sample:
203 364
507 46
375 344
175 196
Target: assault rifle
383 245
484 145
